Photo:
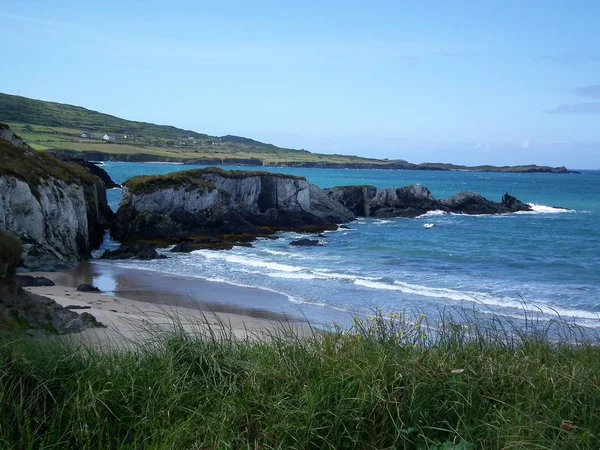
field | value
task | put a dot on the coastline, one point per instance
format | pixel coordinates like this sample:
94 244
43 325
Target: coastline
134 304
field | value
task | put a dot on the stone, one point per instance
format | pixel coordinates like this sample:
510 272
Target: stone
138 250
29 281
305 243
85 287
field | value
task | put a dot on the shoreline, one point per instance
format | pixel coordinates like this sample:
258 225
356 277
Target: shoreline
134 305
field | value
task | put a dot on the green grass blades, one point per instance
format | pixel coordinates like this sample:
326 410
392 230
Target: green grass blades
388 383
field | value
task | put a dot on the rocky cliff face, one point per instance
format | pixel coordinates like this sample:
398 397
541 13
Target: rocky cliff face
214 201
412 201
58 210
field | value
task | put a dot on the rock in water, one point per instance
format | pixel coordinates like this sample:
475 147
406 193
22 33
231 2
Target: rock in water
514 204
218 202
305 243
139 250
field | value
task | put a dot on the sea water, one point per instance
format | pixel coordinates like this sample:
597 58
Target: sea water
546 261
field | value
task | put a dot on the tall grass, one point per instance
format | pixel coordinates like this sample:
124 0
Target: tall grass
387 383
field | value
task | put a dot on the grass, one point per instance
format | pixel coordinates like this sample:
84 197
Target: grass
193 179
384 384
33 166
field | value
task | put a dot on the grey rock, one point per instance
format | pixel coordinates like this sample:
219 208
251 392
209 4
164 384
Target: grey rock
329 209
85 287
141 251
214 201
29 281
305 243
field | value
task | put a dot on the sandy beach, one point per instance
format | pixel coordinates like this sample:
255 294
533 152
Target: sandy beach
134 305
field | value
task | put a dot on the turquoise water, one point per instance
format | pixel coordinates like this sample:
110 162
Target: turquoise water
546 261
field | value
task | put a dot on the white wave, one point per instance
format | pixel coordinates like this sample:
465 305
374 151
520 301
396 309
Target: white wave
545 209
293 275
300 301
437 212
381 221
247 261
480 298
429 226
276 252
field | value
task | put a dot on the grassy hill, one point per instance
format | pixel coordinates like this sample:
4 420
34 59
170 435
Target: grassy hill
60 128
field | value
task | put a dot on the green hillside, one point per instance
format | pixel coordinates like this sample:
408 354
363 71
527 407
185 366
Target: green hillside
60 128
74 130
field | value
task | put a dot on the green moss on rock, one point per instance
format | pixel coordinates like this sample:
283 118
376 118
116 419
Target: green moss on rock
32 166
193 179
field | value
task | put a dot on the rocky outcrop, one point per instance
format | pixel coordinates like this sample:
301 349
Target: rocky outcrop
7 135
19 308
413 201
369 201
325 207
212 208
138 250
305 243
29 281
58 210
216 202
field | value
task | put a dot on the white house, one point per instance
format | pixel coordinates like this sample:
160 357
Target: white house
109 137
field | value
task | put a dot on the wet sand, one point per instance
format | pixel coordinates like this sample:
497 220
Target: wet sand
134 304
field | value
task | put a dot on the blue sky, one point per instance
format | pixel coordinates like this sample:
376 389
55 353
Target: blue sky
479 82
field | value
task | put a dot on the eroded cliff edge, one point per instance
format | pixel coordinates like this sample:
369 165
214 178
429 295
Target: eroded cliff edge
57 209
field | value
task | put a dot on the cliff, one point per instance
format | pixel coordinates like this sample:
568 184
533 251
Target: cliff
213 208
57 209
217 202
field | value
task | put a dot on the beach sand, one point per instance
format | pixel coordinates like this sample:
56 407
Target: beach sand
135 305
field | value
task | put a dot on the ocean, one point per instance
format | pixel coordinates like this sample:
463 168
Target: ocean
543 263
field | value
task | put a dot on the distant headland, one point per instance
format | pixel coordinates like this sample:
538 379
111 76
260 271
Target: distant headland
73 131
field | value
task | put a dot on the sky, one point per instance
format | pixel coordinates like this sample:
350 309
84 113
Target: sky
466 82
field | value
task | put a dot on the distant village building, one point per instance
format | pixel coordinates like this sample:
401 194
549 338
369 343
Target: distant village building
88 135
109 137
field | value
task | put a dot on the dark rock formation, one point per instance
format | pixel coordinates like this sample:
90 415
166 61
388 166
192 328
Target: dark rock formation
19 308
85 287
138 250
183 247
413 201
29 281
369 201
324 206
305 243
514 204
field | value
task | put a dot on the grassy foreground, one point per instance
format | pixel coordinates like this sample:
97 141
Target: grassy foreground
385 385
